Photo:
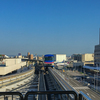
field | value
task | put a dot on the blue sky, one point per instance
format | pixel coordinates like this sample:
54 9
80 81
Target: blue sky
49 26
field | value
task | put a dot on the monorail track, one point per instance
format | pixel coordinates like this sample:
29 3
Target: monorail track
51 81
56 81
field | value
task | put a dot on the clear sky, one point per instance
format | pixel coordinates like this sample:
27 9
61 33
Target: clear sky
49 26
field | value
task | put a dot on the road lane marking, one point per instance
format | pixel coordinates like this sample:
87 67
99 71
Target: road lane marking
92 95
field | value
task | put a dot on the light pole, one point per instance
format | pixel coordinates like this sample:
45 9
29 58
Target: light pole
94 80
84 74
97 79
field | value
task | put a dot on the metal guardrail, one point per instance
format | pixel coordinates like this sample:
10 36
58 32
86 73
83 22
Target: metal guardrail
11 94
83 96
36 93
50 92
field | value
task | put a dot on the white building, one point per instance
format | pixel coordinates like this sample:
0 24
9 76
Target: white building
10 65
59 57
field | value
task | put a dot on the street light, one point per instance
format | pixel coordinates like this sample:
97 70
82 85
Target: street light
97 78
94 80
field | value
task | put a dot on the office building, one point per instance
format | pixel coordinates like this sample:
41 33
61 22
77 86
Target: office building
97 53
77 57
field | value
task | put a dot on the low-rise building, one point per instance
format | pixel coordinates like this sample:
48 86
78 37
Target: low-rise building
82 60
10 65
76 64
39 58
88 59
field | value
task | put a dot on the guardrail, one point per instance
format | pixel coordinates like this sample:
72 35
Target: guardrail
7 95
83 96
50 92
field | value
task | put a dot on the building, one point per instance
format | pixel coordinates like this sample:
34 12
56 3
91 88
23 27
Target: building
3 56
39 58
19 55
88 59
10 65
97 53
28 54
76 64
77 57
82 60
31 56
59 57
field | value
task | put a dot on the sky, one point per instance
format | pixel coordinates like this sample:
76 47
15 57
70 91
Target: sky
49 26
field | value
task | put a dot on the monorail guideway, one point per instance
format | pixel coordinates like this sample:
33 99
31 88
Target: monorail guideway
49 82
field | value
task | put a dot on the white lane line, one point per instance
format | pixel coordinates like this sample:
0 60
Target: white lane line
92 95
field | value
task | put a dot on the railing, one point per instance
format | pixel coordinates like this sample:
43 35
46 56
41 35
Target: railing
12 94
83 96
